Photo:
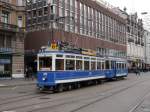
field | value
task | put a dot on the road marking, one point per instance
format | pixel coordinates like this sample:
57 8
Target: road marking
9 111
1 85
14 88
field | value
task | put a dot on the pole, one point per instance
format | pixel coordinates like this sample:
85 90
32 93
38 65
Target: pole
52 35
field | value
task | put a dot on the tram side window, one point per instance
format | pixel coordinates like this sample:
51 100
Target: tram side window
112 65
121 65
93 66
86 65
78 64
59 64
70 64
117 65
107 65
99 66
124 65
45 63
103 65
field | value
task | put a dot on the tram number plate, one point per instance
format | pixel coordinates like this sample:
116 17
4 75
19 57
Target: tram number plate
54 46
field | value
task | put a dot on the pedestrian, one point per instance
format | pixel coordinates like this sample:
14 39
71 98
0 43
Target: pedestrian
26 74
137 71
30 73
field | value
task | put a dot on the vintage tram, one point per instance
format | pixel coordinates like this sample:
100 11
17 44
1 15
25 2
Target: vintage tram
60 70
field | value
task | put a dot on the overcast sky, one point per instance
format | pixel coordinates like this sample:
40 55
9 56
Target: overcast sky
131 5
134 6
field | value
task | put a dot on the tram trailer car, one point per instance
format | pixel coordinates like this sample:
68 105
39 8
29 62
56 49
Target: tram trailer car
58 71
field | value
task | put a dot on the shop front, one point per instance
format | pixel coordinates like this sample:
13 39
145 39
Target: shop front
5 65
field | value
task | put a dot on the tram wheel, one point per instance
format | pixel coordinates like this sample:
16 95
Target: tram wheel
78 85
69 87
96 82
59 88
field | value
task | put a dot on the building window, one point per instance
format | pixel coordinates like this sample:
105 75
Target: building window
34 13
8 42
20 21
2 40
45 10
40 12
21 2
5 17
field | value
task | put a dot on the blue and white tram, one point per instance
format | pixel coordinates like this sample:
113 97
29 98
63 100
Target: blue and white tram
58 70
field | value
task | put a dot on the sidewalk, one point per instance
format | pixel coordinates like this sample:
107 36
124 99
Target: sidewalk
16 82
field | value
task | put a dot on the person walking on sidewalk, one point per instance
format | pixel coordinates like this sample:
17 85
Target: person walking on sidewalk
30 72
137 71
26 74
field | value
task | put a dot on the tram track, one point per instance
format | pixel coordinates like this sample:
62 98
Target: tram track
88 98
77 100
22 97
26 97
139 102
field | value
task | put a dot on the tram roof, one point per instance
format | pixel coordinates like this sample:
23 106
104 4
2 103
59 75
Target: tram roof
75 54
66 53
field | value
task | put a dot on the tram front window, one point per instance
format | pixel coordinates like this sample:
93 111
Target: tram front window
45 63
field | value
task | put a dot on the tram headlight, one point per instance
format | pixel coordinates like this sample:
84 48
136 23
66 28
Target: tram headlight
44 76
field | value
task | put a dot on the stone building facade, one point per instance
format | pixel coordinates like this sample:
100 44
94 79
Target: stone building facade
135 43
12 34
83 23
147 48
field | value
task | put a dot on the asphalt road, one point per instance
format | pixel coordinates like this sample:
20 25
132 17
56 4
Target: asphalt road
129 95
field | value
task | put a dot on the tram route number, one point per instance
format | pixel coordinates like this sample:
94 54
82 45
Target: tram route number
54 46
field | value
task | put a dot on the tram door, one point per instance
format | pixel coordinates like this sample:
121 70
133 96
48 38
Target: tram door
113 65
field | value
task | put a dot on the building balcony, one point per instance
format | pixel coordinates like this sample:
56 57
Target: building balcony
6 4
10 27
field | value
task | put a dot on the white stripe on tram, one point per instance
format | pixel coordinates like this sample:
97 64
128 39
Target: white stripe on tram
79 79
